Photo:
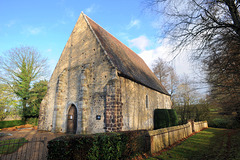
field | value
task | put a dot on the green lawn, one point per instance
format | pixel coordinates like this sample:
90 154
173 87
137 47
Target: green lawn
212 143
10 146
6 124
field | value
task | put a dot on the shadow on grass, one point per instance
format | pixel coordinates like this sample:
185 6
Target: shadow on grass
11 145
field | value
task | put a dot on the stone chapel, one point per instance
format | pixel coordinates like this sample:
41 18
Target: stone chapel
100 85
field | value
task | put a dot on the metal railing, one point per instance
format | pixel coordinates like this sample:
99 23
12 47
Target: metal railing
20 149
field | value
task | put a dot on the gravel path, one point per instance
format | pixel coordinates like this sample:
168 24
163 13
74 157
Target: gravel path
29 134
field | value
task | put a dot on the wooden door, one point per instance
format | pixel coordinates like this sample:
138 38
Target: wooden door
72 120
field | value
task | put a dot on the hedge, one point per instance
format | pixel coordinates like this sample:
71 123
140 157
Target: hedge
173 117
69 147
161 118
6 124
103 146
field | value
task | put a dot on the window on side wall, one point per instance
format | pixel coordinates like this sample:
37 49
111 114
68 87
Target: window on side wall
146 101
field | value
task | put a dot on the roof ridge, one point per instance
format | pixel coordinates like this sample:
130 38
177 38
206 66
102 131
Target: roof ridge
105 52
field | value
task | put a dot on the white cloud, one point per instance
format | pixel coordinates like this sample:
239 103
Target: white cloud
10 23
30 30
149 56
181 63
123 35
69 13
133 23
49 50
164 51
35 30
140 43
68 16
91 9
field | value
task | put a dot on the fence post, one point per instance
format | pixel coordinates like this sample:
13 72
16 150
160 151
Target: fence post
45 148
147 142
39 147
192 123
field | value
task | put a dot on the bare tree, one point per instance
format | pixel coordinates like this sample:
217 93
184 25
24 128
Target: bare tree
166 74
173 81
186 93
161 70
224 79
199 23
19 68
211 30
187 101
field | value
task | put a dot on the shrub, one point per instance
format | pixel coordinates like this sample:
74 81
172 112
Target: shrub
161 118
70 147
173 117
234 124
107 146
33 121
103 146
219 123
137 142
229 123
6 124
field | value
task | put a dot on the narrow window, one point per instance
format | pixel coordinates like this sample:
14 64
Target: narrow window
146 101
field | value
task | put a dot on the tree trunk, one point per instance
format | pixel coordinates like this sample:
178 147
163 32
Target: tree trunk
24 104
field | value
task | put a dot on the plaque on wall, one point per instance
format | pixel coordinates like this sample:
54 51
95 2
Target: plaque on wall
98 117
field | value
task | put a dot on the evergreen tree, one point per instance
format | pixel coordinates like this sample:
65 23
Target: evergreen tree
20 68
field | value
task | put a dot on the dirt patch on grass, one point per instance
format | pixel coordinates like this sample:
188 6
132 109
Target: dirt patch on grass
21 127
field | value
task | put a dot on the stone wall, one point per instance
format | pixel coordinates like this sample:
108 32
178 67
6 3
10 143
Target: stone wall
12 118
162 138
139 103
113 110
198 126
80 78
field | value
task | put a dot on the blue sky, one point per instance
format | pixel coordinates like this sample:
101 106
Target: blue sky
47 25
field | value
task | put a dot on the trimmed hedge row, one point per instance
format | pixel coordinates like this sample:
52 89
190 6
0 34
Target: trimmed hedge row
103 146
173 117
6 124
165 118
161 118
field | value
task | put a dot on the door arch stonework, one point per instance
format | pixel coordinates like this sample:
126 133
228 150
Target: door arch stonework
72 119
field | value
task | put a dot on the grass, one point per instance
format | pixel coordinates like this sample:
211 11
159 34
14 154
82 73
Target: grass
12 145
6 124
210 144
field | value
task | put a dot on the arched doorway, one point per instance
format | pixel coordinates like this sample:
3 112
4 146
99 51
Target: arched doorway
72 120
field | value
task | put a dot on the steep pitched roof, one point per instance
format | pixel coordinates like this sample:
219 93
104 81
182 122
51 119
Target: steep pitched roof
125 60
